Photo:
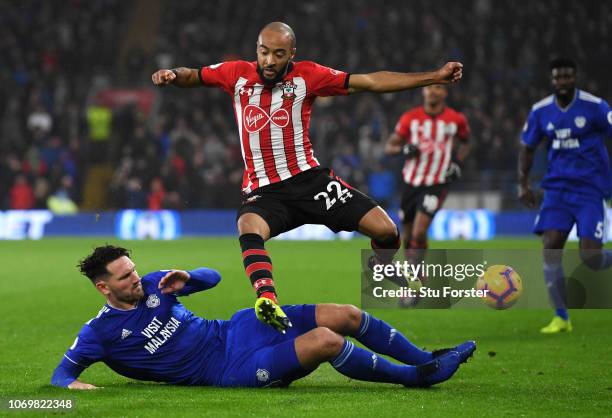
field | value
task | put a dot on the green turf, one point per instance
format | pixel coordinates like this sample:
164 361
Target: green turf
515 372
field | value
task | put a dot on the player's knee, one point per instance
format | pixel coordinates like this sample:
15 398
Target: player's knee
352 315
553 241
387 231
252 224
390 231
329 343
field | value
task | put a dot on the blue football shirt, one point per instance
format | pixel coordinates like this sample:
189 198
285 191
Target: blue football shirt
577 157
158 340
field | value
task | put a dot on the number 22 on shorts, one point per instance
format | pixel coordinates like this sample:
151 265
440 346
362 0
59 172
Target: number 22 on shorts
342 194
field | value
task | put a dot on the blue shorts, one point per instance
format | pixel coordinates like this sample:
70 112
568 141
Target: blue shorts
258 356
561 210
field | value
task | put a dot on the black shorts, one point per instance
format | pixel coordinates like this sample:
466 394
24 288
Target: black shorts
426 199
315 196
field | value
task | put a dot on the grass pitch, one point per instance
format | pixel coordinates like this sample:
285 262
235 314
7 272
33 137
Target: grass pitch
515 372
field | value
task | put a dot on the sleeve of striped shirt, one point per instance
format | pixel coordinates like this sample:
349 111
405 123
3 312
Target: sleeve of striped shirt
85 351
402 128
223 75
325 81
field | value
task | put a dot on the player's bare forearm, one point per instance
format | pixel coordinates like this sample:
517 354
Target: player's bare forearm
525 193
394 144
179 77
387 81
462 151
524 165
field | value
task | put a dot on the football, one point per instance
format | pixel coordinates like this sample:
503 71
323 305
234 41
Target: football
503 285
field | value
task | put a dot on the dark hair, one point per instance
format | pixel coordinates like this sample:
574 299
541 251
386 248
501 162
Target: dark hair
563 62
94 265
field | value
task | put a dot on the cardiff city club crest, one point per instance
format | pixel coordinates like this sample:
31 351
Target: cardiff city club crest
262 375
153 301
288 89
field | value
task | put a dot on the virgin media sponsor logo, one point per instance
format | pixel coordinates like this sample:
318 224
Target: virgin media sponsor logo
255 118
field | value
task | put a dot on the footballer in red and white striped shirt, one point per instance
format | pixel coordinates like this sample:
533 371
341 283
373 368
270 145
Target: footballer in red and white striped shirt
283 183
434 140
273 120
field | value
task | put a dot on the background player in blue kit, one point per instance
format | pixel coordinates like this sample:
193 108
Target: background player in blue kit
144 332
578 178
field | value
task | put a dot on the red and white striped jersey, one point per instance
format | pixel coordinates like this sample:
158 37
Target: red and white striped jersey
273 121
434 135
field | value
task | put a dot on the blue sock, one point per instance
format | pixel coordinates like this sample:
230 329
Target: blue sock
360 364
606 259
562 313
555 281
380 337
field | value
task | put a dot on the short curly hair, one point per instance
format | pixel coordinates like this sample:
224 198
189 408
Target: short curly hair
563 62
94 265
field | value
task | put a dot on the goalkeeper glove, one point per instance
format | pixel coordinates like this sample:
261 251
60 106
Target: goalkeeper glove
453 172
411 151
270 313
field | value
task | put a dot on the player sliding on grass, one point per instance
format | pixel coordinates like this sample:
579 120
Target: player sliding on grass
143 332
577 181
284 186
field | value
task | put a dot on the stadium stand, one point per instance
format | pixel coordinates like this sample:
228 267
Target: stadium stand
76 98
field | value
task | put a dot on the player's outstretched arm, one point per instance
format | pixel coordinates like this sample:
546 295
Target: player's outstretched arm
180 77
66 374
386 81
525 162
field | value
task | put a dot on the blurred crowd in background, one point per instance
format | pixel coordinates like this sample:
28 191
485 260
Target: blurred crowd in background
181 151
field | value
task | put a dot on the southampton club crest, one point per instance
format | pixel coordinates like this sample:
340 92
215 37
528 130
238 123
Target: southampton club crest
288 89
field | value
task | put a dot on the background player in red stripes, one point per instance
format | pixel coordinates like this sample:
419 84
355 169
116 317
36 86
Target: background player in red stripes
434 139
284 186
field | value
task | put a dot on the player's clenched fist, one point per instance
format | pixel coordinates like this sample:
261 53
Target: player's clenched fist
163 77
451 72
